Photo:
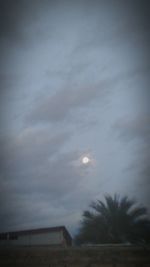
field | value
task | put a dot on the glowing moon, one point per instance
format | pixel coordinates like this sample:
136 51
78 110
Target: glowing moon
85 160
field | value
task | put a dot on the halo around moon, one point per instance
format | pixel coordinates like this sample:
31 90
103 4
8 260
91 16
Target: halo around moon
85 160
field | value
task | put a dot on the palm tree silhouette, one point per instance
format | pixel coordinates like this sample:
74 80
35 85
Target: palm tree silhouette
116 220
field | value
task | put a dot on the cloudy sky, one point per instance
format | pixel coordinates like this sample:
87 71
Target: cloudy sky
74 82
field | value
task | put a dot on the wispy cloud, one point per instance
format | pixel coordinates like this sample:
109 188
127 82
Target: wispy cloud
68 66
39 178
136 132
60 106
130 128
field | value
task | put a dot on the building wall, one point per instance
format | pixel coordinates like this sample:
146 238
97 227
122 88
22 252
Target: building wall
52 238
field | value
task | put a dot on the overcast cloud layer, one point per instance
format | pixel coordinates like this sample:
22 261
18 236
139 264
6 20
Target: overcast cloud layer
74 81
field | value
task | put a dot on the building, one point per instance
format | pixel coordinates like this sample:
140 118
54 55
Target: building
53 236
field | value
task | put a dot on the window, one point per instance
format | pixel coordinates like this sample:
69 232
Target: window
3 236
13 237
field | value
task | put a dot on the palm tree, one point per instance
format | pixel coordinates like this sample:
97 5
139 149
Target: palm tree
116 220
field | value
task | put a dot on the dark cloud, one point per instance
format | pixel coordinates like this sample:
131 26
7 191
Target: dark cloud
32 146
59 106
62 104
130 128
38 181
139 169
14 15
23 162
81 52
136 132
42 196
10 13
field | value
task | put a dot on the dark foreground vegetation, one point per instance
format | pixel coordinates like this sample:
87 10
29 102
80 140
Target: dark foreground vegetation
115 220
104 256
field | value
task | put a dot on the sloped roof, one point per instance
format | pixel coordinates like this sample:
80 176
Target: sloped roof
41 230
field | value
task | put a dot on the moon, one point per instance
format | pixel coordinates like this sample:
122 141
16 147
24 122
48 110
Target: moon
85 160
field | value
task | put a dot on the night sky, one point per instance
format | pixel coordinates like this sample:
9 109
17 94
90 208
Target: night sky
74 79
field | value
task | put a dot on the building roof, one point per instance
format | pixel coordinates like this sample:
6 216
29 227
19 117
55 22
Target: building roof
41 230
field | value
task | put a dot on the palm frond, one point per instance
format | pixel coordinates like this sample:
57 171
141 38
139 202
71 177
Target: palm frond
126 204
88 215
115 220
137 213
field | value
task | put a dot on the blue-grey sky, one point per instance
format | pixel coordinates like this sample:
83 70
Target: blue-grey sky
74 81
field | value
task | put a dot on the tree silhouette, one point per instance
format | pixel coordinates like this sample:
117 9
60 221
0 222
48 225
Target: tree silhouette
116 220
